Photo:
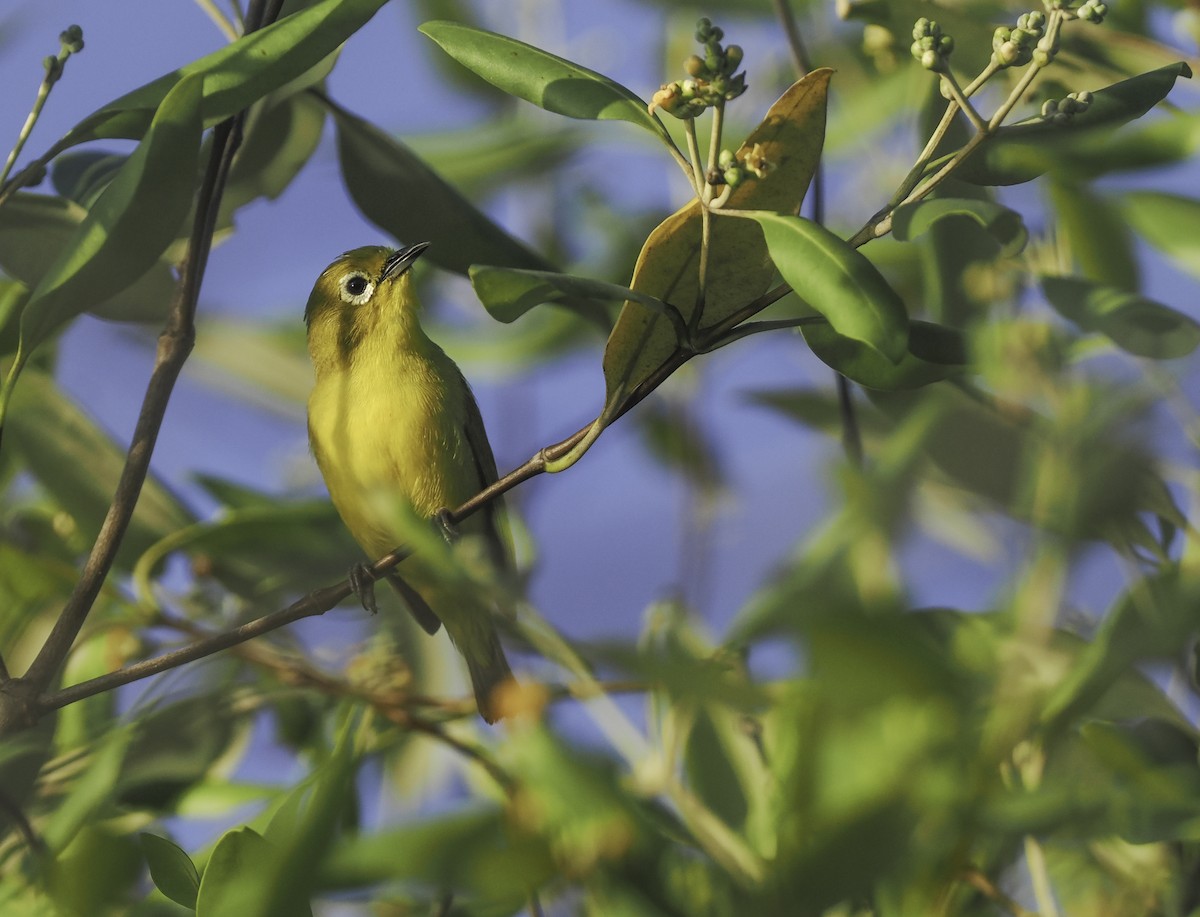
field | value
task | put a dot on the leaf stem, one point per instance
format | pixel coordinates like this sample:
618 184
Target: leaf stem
54 72
219 18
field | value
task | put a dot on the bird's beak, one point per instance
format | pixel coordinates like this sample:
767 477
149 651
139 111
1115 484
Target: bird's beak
402 260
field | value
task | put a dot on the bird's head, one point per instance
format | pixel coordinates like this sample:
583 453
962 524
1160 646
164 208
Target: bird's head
359 291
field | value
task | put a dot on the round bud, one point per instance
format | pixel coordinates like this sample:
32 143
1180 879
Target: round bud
931 60
726 159
1023 21
694 65
1041 58
1037 19
733 176
687 89
917 50
934 29
1084 98
1009 52
717 33
733 57
1049 107
921 28
1061 117
944 90
945 45
1047 44
703 29
72 38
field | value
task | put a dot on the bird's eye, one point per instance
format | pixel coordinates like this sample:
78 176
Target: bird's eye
356 288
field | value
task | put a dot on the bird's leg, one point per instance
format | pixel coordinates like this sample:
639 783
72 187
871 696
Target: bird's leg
362 581
446 525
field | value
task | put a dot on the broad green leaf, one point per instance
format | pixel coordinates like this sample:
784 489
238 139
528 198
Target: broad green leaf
1169 222
79 466
402 195
233 881
1004 225
97 872
35 231
1023 151
126 230
790 137
171 869
539 77
1094 233
934 353
838 281
240 73
508 293
1131 321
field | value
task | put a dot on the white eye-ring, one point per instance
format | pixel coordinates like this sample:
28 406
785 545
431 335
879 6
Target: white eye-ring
356 288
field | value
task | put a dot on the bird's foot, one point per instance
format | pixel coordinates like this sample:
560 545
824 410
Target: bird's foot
445 524
362 582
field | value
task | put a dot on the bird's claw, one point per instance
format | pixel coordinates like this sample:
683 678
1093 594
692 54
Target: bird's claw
362 582
445 523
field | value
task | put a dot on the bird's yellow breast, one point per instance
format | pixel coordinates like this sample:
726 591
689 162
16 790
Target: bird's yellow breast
390 426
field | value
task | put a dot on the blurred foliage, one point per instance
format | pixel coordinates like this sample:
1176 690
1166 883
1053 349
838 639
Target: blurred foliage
1028 400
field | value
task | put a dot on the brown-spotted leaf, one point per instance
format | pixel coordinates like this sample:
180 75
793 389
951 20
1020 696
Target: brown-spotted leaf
739 268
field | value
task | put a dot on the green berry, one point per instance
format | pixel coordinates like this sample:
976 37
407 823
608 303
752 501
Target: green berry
1049 107
726 159
733 176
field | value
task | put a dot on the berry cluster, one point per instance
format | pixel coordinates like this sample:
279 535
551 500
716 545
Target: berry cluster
711 80
930 46
1016 47
1092 11
1061 111
71 41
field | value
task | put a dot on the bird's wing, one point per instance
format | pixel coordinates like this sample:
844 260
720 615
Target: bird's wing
485 467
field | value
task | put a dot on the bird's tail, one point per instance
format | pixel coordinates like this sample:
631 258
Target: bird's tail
488 667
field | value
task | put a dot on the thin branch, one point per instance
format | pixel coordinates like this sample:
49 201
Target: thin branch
54 72
218 17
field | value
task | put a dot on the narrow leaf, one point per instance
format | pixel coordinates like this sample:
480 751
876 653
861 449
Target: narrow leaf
838 281
1004 225
239 74
935 352
402 195
537 76
1131 321
508 293
1023 151
130 225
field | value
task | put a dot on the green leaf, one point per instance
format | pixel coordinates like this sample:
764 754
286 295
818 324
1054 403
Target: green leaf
171 869
539 77
1094 234
126 230
1169 222
36 230
92 790
81 176
1004 225
934 353
838 281
508 293
1132 322
1023 151
790 136
233 880
402 195
240 73
280 137
79 465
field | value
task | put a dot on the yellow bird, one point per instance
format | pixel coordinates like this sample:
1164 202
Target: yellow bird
391 418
